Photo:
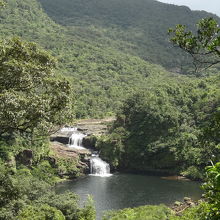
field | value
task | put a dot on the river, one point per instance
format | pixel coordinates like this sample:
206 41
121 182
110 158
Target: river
129 190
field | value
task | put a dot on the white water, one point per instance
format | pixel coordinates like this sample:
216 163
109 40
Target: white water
68 129
98 167
76 139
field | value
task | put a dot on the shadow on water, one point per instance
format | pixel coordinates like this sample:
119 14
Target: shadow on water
129 190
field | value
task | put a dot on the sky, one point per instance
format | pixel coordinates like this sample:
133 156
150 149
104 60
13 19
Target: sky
206 5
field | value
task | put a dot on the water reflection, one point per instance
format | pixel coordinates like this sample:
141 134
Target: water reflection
128 190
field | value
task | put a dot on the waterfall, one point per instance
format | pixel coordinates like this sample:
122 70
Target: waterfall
76 137
98 167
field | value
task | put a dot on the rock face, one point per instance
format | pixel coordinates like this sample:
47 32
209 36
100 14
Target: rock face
62 137
61 151
81 157
89 127
25 157
94 127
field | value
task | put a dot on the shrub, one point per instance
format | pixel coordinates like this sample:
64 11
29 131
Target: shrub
42 212
142 212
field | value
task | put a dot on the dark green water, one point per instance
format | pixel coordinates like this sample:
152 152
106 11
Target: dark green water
128 190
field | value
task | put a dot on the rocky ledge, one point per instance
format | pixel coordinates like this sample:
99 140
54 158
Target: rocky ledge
95 127
180 207
89 127
80 157
61 150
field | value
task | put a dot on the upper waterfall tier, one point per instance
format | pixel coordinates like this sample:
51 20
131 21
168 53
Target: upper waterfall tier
75 138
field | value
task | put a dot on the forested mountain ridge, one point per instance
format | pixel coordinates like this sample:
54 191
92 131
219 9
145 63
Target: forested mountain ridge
140 26
102 75
103 67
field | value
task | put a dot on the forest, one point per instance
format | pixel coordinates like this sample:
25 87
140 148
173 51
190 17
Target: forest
66 60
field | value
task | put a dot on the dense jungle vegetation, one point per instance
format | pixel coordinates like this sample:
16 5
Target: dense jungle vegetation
165 127
138 28
108 62
103 65
33 101
174 125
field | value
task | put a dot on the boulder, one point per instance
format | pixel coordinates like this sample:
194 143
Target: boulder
25 157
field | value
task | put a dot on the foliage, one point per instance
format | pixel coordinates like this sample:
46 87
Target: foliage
24 193
135 27
111 146
31 98
204 46
212 191
43 212
104 56
195 213
88 212
193 173
68 167
68 204
2 3
164 127
142 212
45 172
164 122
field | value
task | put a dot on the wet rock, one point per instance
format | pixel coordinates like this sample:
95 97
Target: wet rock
89 141
187 199
177 203
52 161
180 207
25 157
61 137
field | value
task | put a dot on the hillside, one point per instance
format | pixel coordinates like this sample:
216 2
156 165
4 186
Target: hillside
104 58
139 26
102 76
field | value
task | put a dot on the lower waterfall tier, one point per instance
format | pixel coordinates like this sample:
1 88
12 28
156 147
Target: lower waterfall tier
98 167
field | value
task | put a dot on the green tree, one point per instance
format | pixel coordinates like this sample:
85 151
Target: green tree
42 212
203 45
32 98
2 3
212 191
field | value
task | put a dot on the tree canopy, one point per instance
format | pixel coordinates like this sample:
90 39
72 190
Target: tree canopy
2 3
203 46
31 96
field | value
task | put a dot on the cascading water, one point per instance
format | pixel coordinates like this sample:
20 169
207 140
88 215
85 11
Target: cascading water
98 167
68 129
76 137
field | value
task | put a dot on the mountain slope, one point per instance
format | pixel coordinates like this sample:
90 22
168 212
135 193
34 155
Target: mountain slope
102 75
103 68
139 25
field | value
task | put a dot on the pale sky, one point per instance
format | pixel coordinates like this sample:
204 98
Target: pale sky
206 5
